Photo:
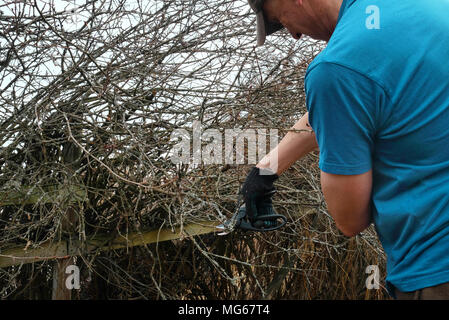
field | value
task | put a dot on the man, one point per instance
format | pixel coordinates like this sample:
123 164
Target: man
378 103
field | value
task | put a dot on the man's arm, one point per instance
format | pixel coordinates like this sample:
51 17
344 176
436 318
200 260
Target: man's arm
348 200
292 147
347 196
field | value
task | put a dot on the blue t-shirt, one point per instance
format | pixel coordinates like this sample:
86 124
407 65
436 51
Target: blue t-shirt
378 98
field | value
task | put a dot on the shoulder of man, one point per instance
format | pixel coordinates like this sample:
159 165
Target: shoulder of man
360 42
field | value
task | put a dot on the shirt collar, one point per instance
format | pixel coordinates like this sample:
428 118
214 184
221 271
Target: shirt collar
344 6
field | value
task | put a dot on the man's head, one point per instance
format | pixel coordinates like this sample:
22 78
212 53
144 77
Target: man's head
264 26
316 18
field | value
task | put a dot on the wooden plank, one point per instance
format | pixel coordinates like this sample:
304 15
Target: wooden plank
70 153
61 250
154 236
68 226
51 194
59 289
19 255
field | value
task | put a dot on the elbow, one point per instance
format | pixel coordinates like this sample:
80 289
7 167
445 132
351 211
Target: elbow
351 231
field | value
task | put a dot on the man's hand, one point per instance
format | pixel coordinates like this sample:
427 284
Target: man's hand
258 188
257 191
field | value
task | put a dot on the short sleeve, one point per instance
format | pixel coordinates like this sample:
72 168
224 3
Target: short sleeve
342 108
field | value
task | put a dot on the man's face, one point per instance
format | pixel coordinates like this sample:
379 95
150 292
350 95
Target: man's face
286 12
302 17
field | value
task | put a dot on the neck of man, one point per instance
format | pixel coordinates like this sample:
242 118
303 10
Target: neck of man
324 14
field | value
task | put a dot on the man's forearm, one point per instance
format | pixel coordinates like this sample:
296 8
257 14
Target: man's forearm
295 145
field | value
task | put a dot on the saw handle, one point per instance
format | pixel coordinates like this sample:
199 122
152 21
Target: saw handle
259 223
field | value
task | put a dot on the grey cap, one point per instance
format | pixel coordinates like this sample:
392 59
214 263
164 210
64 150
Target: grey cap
264 28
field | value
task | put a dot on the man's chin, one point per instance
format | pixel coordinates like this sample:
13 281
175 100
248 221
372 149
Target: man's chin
319 37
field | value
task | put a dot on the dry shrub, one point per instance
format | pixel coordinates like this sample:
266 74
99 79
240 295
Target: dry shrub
93 105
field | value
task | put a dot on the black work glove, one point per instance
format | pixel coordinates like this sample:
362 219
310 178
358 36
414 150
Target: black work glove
257 191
